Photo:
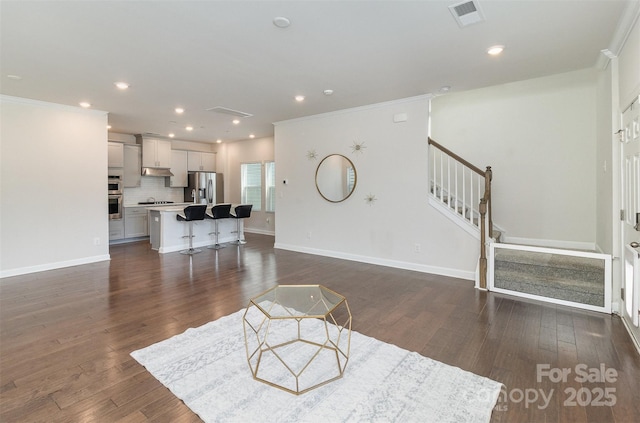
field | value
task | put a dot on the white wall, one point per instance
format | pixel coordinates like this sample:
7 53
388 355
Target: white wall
539 136
53 172
629 66
249 151
604 163
392 167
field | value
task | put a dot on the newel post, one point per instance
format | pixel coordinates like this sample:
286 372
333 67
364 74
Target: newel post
488 176
483 240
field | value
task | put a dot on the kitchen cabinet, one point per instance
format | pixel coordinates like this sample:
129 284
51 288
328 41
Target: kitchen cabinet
135 222
132 164
115 154
179 169
200 161
116 229
156 153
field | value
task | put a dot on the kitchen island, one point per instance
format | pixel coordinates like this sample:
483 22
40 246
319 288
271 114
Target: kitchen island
168 235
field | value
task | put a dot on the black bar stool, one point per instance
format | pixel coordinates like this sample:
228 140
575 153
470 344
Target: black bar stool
241 212
190 214
219 211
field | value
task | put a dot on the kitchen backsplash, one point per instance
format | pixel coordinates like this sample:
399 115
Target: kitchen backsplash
152 187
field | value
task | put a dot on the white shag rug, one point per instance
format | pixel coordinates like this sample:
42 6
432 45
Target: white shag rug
207 368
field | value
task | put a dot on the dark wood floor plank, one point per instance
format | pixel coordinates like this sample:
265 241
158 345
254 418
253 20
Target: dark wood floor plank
66 335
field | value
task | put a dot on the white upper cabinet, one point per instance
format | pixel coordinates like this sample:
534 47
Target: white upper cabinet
116 155
156 153
178 168
199 161
131 166
209 162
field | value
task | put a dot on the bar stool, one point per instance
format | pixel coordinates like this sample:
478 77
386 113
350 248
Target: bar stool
190 214
241 212
219 211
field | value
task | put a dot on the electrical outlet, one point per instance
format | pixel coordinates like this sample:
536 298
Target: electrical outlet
309 235
268 220
417 247
96 241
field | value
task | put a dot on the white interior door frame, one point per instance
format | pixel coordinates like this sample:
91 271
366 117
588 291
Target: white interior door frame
629 195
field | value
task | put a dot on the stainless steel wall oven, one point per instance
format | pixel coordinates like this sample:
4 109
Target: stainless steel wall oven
115 207
115 184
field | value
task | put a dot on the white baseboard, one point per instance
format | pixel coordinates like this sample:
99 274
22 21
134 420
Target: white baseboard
50 266
615 307
442 271
259 231
551 243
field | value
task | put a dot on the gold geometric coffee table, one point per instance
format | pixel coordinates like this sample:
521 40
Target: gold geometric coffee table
297 337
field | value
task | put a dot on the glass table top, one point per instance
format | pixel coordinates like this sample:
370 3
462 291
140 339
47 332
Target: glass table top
287 301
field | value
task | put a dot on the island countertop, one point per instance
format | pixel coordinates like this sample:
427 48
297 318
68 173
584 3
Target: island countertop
167 234
153 206
181 206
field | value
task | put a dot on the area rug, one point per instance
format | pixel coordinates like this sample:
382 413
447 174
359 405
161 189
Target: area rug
207 369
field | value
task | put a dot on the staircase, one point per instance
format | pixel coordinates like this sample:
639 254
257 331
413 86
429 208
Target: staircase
462 193
464 212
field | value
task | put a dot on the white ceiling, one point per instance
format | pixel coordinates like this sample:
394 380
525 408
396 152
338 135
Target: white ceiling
202 54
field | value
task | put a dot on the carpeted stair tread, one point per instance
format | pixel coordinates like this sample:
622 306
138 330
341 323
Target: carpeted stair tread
568 283
569 278
553 291
550 273
548 259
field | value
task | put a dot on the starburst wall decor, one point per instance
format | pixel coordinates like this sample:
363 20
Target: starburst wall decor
357 147
312 155
370 199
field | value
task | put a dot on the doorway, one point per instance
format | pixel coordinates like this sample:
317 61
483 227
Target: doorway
630 218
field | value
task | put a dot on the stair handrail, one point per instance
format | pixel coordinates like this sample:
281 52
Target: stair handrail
484 208
455 156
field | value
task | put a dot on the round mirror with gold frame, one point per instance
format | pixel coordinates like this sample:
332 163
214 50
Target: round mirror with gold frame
336 178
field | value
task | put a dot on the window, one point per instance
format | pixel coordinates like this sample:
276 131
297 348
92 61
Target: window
251 184
351 179
270 186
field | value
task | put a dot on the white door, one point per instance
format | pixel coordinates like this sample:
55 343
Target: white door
630 170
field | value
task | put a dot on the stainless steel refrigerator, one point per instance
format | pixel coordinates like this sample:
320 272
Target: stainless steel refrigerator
204 188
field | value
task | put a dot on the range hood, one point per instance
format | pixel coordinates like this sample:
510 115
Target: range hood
156 171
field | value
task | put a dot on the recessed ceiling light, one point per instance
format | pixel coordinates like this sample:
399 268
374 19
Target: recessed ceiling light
281 22
189 128
218 140
14 77
444 89
252 136
171 135
328 92
85 104
179 110
108 126
236 121
121 85
495 50
299 98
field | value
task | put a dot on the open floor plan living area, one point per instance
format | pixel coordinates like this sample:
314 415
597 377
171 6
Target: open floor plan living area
316 211
68 335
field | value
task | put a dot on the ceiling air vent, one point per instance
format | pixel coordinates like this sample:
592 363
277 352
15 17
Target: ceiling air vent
466 13
226 111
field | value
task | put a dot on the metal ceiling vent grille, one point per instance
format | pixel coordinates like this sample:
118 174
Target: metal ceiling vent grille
466 13
226 111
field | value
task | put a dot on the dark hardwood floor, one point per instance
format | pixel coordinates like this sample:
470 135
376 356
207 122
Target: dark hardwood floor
66 334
